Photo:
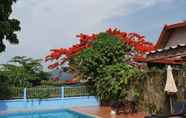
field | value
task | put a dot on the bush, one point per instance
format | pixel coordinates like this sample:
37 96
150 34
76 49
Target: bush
5 91
53 83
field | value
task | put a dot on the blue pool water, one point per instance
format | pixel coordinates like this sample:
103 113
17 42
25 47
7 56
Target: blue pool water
47 114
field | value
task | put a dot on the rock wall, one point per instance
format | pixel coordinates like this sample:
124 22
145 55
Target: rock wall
154 99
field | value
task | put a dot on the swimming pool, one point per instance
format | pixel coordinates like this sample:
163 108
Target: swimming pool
64 113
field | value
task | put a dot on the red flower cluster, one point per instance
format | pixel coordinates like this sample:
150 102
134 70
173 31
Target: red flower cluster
133 39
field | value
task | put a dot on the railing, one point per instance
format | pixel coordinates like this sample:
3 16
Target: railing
43 92
49 92
76 91
17 93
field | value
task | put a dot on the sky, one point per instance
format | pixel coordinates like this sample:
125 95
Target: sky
48 24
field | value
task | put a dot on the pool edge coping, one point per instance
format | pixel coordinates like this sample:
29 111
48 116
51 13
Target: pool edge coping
49 109
88 114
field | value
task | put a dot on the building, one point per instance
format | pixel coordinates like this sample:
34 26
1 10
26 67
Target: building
170 47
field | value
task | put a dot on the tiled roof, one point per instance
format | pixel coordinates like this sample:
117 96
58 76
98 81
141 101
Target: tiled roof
166 48
160 47
164 36
167 59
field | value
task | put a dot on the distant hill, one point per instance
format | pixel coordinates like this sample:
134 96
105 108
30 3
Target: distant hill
61 74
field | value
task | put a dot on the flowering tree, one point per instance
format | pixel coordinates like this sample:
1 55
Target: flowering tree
105 60
61 55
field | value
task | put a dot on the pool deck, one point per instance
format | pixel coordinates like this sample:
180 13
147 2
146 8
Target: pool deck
104 112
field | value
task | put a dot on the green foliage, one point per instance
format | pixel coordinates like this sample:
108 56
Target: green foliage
23 71
106 67
8 26
4 88
106 50
53 83
116 81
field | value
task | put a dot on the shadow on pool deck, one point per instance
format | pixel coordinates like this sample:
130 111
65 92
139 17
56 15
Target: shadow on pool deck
104 112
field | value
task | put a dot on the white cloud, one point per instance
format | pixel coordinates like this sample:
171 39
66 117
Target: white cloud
50 24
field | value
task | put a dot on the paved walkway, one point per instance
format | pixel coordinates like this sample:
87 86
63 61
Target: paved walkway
104 112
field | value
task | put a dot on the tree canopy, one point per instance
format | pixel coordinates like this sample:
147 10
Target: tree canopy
22 71
108 67
8 26
61 55
106 50
105 60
